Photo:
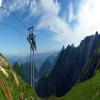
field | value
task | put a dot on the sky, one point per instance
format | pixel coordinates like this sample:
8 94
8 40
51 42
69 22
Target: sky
56 23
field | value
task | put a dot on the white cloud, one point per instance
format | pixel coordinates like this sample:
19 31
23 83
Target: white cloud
33 8
13 5
88 18
50 20
18 4
0 2
71 16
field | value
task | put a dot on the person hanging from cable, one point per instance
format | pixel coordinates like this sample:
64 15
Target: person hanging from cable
31 39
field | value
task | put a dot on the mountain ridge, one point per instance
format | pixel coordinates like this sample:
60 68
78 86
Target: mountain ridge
73 64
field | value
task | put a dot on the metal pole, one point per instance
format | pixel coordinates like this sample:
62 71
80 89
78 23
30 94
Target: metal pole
32 49
31 63
33 68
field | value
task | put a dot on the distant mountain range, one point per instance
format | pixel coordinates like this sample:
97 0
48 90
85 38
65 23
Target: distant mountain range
43 63
73 64
48 64
39 58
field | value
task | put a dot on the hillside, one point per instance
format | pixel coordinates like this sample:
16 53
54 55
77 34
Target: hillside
88 90
73 63
12 87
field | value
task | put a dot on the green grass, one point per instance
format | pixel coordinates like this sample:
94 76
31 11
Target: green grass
88 90
16 91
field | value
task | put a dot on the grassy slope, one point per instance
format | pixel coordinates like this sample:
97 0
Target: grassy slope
9 84
88 90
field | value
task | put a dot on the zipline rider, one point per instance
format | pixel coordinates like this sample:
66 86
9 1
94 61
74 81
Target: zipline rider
31 39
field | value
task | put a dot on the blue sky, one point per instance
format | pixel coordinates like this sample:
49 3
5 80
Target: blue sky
57 23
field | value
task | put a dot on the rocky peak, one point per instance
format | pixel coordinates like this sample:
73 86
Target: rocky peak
72 45
96 33
63 48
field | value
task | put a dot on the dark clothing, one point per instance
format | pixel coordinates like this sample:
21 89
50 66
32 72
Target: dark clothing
31 40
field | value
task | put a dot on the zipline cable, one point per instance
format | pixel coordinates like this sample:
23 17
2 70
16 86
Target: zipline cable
14 16
20 21
12 27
